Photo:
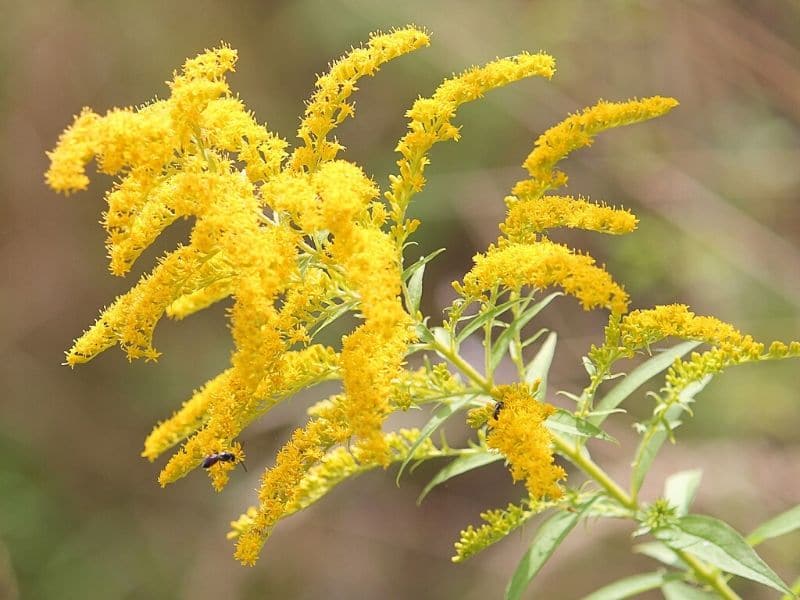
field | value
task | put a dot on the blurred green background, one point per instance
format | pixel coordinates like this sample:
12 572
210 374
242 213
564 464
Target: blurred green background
715 184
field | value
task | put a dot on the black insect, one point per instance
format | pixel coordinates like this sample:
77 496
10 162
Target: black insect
212 459
497 408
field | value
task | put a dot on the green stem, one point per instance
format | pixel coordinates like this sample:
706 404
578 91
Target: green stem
703 572
709 575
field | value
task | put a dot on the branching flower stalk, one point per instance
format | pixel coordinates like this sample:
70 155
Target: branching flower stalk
297 241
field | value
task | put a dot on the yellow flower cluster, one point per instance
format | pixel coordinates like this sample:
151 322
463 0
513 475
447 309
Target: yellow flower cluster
626 335
298 240
578 131
520 435
543 264
498 523
430 122
530 216
200 153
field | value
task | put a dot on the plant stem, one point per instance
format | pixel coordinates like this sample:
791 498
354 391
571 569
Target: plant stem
709 575
704 573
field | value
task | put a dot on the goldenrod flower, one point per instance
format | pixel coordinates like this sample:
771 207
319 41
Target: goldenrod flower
498 523
577 131
530 217
641 328
541 265
328 106
430 120
296 241
520 435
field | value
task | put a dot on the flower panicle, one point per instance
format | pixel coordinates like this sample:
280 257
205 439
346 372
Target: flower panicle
328 106
430 120
540 265
578 131
498 523
518 432
639 329
529 218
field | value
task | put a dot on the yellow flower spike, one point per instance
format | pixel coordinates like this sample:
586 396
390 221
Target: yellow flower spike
227 125
201 81
577 131
541 265
279 483
130 320
532 216
237 402
328 106
520 435
75 148
430 119
345 192
641 328
498 523
186 421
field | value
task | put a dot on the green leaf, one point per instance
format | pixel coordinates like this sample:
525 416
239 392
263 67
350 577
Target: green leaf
680 489
439 417
638 377
413 290
658 551
718 544
442 337
635 584
421 263
565 422
481 318
678 590
540 365
460 465
335 312
504 339
795 591
783 523
548 537
656 435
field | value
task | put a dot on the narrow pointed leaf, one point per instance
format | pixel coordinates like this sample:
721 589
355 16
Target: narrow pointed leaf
633 585
334 313
549 536
638 377
504 339
565 422
678 590
718 544
680 489
414 290
540 365
460 465
480 320
658 551
439 417
421 262
782 524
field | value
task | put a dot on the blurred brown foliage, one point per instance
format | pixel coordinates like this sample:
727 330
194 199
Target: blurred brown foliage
715 184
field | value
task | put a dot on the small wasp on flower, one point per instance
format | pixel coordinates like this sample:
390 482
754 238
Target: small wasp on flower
212 459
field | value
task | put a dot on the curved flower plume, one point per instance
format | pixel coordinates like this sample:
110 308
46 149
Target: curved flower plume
430 123
524 256
328 106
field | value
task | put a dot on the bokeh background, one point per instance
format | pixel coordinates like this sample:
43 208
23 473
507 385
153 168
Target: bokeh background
715 183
